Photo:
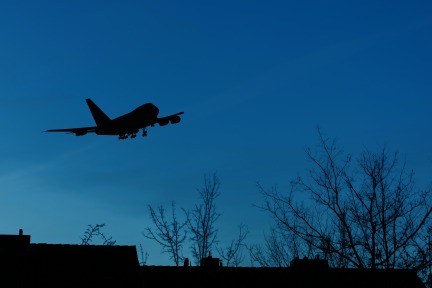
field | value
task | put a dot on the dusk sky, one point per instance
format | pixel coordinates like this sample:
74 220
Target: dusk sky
254 79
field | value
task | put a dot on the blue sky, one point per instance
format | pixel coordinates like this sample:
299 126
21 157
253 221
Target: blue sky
254 78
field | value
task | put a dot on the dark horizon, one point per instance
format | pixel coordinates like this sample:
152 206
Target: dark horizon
28 264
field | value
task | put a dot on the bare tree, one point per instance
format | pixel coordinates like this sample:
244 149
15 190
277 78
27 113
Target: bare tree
201 220
170 235
144 256
200 225
280 247
95 231
365 216
232 254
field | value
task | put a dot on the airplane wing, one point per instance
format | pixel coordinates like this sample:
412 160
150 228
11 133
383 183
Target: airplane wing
77 131
173 119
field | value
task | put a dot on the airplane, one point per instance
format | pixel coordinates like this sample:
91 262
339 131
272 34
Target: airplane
127 125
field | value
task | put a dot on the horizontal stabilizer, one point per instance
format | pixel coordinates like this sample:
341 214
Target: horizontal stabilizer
77 131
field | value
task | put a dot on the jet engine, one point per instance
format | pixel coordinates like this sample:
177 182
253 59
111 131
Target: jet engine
80 133
163 122
175 119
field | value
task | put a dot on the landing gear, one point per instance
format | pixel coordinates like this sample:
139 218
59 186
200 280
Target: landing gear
144 133
131 134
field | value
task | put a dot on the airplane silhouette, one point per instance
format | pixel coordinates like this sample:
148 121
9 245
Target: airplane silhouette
124 126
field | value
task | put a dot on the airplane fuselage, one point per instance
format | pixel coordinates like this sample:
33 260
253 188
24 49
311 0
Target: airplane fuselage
127 125
130 123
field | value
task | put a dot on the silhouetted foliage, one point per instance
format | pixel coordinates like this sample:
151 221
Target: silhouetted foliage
144 256
279 249
364 213
232 254
95 231
200 225
202 219
169 235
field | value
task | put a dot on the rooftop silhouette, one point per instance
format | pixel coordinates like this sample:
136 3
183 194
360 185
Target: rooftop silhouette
26 264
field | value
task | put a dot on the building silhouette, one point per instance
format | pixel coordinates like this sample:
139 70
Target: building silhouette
26 264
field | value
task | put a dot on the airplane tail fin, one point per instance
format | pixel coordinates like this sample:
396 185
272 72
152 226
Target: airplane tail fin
98 115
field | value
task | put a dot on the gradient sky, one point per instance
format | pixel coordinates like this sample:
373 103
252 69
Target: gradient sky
254 78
